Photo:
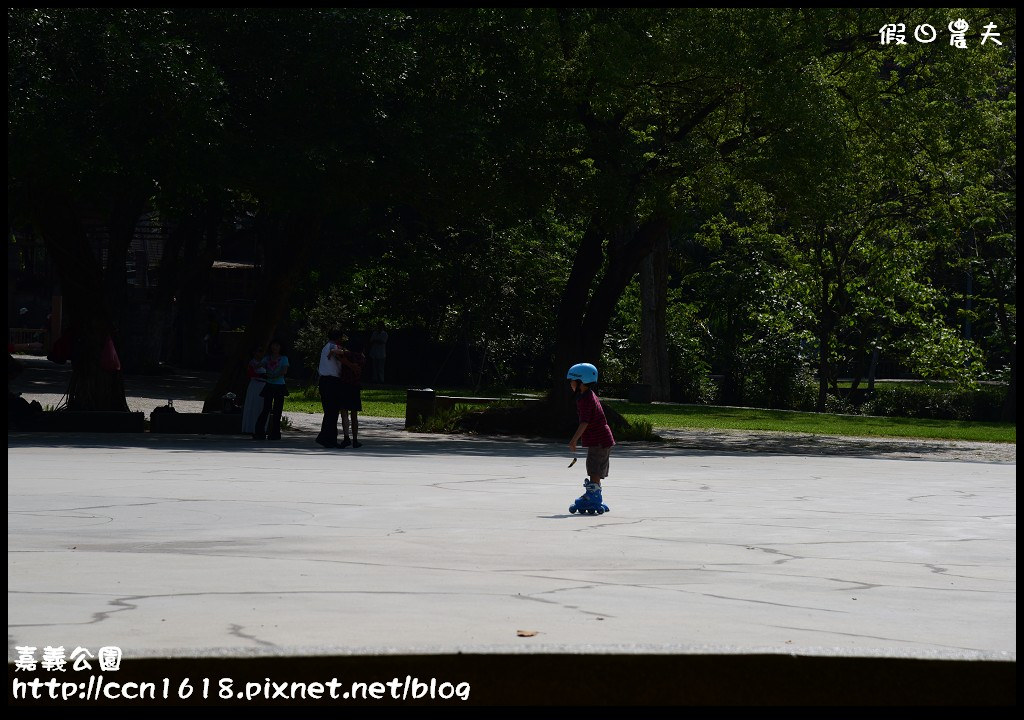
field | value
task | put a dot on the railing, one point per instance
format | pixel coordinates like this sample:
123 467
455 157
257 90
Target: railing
27 339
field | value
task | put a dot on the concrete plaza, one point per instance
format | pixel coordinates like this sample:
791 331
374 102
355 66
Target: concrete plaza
171 546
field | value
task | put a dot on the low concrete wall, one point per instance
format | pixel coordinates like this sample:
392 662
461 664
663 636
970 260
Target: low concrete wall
196 423
421 404
87 421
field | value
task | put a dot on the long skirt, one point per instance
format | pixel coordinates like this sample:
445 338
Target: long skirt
253 405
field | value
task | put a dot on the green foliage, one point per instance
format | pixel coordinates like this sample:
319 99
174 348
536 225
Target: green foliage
446 421
749 296
495 290
938 401
637 430
689 368
108 101
822 191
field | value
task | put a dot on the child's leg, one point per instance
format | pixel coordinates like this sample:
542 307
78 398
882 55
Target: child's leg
597 463
355 429
592 502
344 423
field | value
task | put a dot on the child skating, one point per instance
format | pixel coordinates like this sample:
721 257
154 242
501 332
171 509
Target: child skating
595 435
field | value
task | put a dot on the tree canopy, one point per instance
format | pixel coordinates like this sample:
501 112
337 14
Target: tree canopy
812 196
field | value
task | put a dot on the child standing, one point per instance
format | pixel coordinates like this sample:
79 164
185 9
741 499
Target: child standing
351 401
595 435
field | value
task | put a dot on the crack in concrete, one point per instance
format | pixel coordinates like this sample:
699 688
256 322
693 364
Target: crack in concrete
874 637
561 605
123 602
236 630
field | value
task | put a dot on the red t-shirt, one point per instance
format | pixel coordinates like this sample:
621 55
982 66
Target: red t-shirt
597 434
352 376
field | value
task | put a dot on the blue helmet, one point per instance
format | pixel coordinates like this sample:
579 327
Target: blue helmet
584 372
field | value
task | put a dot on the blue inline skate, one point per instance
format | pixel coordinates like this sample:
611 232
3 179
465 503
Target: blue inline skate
590 502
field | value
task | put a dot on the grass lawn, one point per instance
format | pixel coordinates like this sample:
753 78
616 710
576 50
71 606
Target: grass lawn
727 418
376 403
391 403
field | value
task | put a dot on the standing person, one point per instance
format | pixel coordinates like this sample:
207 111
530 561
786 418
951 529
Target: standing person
274 391
352 363
595 434
330 387
378 353
253 405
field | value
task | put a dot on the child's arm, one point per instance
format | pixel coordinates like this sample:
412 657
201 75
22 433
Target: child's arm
576 437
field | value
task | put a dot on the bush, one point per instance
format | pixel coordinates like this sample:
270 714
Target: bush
638 429
806 396
839 405
446 421
774 371
939 402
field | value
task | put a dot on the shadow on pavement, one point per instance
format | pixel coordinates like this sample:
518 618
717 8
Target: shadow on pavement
42 376
400 444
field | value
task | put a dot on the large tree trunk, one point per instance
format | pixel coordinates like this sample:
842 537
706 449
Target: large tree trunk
582 322
121 222
183 275
573 306
288 241
88 317
653 328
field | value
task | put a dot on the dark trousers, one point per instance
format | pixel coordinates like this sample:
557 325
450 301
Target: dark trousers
273 406
330 398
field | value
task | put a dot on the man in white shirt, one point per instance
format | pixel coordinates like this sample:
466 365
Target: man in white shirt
330 388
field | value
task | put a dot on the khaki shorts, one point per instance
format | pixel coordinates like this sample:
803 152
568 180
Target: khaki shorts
597 462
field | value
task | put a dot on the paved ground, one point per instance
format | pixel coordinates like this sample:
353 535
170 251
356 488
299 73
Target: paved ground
174 545
171 545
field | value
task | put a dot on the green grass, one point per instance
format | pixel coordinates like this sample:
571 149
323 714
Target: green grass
726 418
391 403
376 403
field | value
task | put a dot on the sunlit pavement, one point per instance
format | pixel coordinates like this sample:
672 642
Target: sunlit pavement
174 545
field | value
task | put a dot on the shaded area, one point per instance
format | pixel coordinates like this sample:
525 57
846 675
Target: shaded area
43 377
387 442
40 376
806 444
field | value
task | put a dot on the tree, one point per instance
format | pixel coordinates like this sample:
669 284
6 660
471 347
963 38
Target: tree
101 103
